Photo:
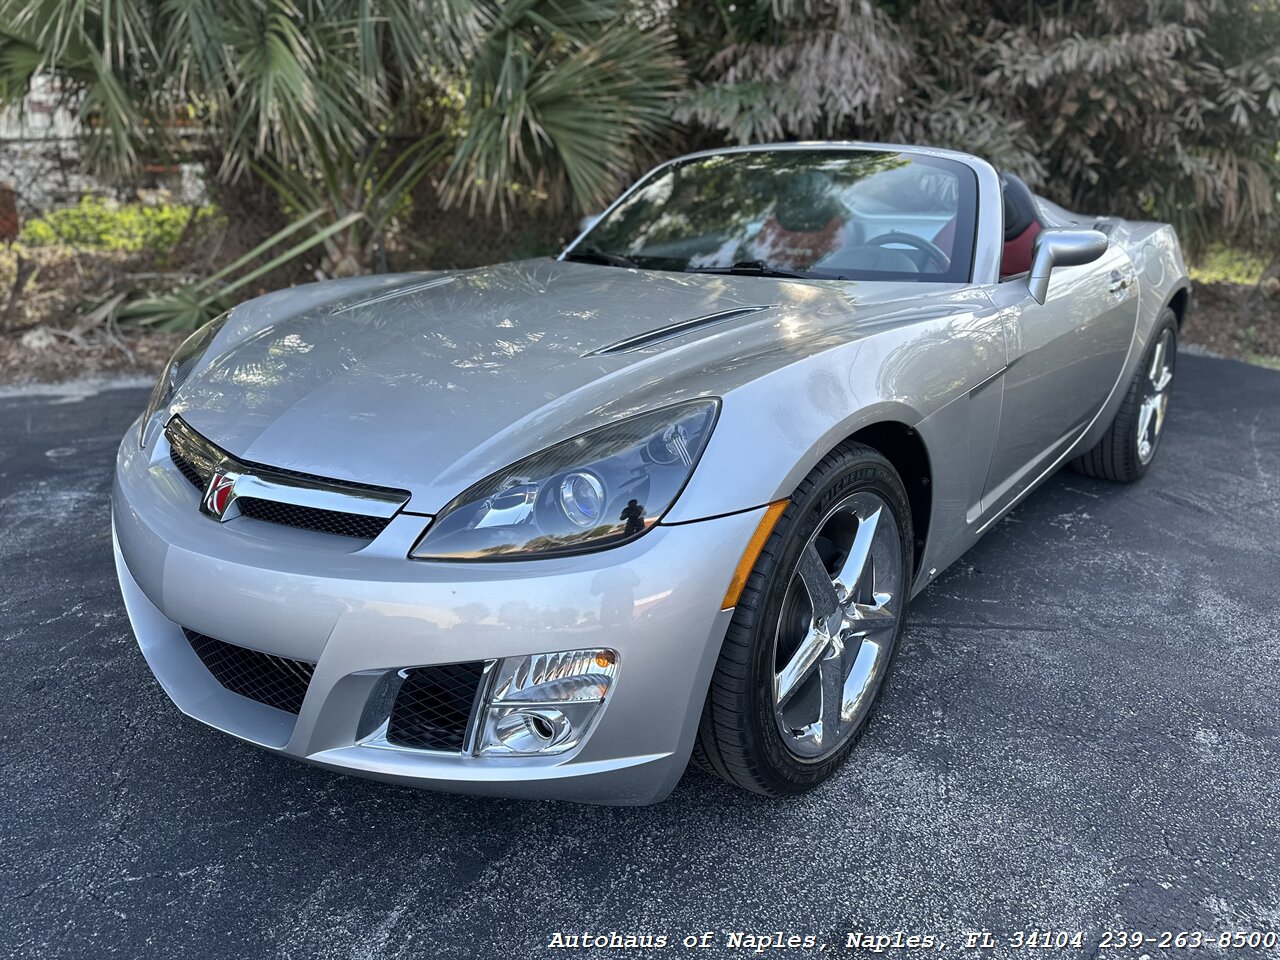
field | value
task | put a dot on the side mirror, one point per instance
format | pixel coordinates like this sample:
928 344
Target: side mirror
1061 248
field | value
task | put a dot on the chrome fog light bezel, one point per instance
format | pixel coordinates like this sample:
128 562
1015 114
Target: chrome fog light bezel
544 704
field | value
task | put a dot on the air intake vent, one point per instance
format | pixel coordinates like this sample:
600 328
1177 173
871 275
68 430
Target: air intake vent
433 709
674 330
313 518
188 470
276 681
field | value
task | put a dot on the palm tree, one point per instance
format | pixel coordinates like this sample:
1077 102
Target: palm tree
345 104
562 98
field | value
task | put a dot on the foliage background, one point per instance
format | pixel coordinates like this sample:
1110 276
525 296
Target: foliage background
424 133
1165 109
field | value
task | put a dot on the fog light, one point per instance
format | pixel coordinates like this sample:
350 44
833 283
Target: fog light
528 730
547 702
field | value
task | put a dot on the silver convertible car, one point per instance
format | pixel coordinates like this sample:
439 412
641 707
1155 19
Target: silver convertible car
553 528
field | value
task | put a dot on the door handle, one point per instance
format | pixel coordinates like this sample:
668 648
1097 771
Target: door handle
1119 283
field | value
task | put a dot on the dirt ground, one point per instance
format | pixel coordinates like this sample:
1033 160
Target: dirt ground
43 357
50 332
1229 320
1237 321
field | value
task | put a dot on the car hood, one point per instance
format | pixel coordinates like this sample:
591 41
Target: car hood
428 383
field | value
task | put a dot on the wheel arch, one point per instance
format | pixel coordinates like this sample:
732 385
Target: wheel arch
902 445
1178 302
889 429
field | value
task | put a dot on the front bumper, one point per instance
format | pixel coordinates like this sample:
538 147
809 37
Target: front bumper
359 611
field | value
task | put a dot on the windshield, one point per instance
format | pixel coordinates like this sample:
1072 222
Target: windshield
822 214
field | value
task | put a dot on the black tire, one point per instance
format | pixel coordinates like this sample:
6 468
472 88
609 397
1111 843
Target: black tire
1115 457
738 736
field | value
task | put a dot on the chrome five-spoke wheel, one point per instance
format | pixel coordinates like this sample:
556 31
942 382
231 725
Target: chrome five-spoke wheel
833 639
1155 403
1130 443
814 630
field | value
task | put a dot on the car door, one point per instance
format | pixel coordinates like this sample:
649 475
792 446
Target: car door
1065 356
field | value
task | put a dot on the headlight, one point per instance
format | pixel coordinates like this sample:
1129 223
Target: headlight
177 370
597 490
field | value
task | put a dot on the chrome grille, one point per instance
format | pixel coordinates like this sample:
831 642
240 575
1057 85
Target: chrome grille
276 681
282 496
433 708
192 454
188 469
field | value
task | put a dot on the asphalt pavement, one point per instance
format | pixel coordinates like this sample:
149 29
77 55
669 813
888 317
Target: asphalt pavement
1082 733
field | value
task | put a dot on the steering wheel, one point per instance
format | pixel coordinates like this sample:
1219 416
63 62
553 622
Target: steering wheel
932 252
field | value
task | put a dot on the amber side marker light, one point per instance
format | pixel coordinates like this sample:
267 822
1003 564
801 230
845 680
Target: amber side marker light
749 556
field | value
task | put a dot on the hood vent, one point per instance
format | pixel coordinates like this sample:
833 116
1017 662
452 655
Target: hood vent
675 329
393 294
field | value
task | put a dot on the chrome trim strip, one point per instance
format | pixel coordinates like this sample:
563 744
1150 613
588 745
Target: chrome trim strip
479 707
393 294
264 483
675 329
191 445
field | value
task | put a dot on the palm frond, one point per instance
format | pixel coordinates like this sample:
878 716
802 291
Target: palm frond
563 100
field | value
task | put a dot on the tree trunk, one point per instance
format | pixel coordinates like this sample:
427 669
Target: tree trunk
26 269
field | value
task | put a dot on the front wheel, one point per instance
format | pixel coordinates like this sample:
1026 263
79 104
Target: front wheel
1129 445
814 631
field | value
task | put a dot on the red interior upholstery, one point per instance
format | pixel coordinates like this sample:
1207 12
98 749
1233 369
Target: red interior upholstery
1016 257
946 236
1021 224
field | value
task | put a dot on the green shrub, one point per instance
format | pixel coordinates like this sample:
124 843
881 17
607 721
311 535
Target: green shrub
1224 264
105 225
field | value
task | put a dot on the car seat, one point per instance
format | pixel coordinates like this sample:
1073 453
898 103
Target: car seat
1022 221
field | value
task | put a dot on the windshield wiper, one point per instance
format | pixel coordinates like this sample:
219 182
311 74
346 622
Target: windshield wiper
752 268
596 255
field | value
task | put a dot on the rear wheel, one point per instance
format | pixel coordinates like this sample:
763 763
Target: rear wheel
815 630
1130 443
